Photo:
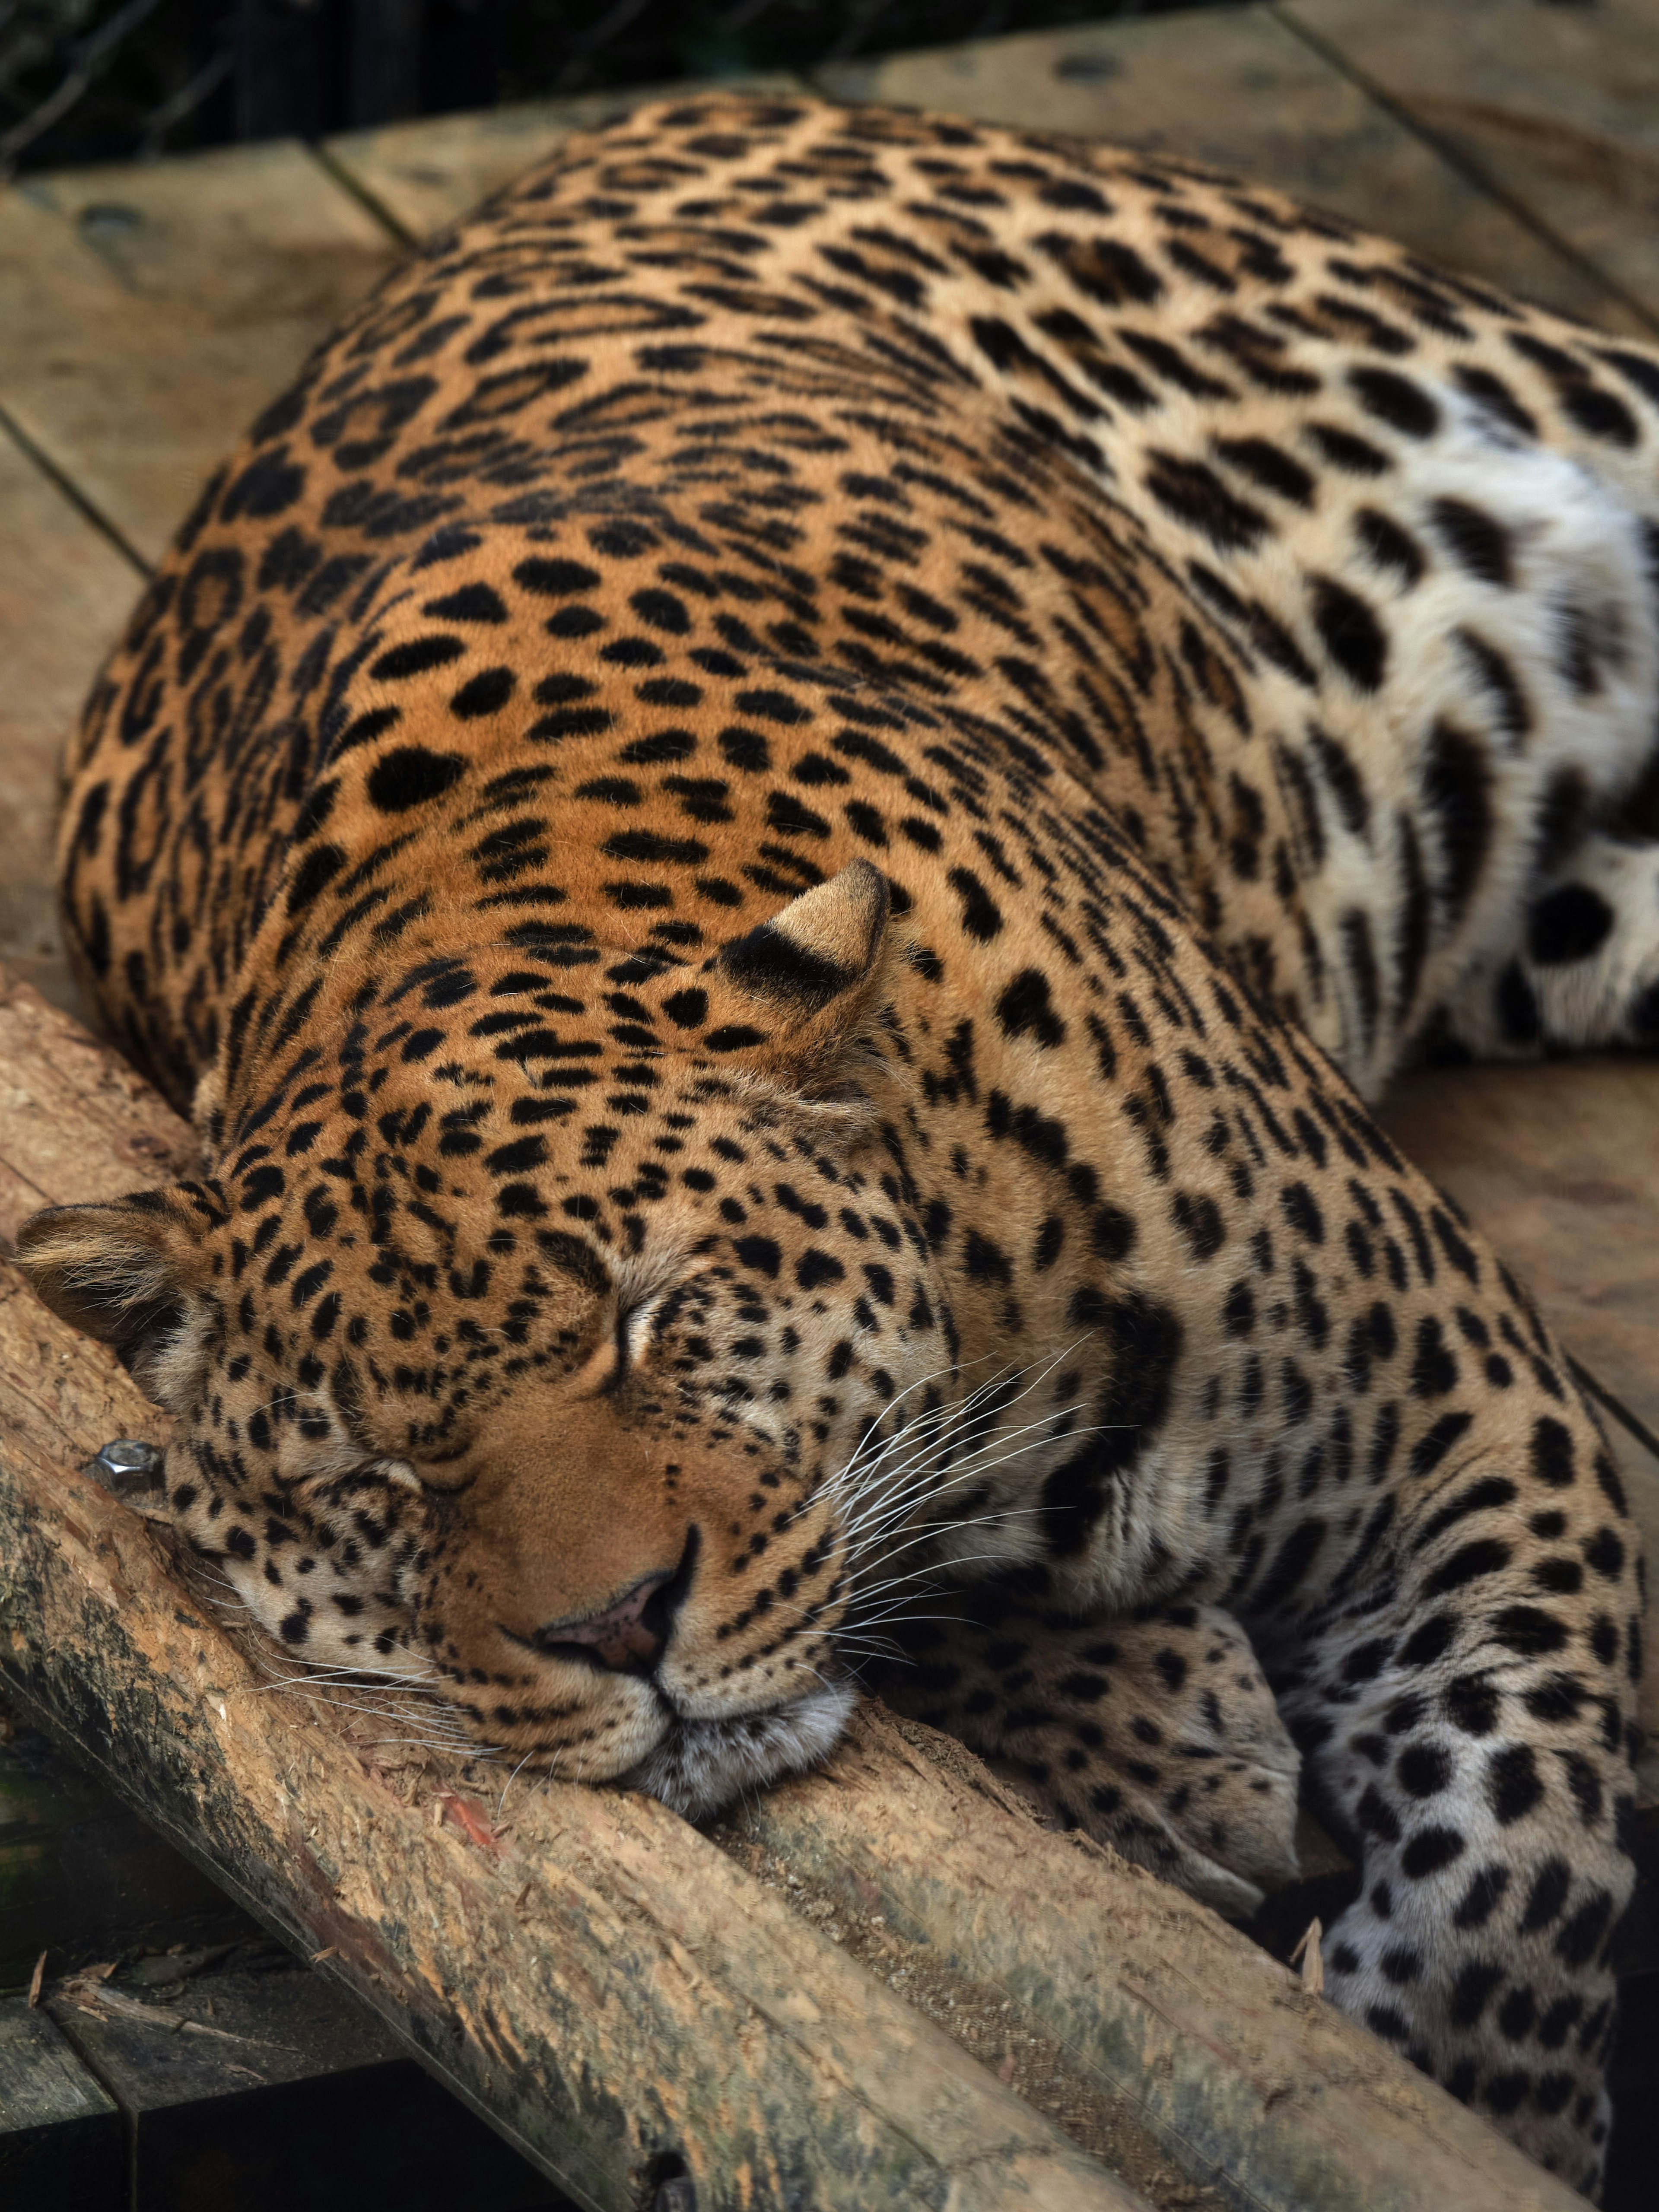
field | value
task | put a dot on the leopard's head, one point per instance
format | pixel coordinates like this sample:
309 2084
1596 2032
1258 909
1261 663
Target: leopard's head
543 1332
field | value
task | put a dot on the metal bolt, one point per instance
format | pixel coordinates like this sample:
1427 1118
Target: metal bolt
127 1466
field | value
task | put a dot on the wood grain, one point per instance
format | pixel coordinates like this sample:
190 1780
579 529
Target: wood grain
1240 90
148 313
1558 105
64 592
60 2133
1231 2059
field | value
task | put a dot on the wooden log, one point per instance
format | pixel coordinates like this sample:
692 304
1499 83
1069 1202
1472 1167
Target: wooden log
1246 2076
619 1995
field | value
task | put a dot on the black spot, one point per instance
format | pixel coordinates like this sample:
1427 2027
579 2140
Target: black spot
1475 539
1471 1991
1482 1897
1434 1369
1576 1943
1430 1849
1552 1453
1429 1642
409 776
554 579
1569 923
1395 400
759 1253
1605 1555
486 693
1356 457
1491 392
1423 1769
1547 1897
1504 2092
982 918
416 658
1141 1340
1512 1784
1471 1704
1192 491
1388 546
1525 1629
1268 466
1457 786
1024 1010
318 868
475 603
1301 1212
1352 635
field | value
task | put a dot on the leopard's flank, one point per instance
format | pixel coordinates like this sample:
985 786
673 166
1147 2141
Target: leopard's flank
775 824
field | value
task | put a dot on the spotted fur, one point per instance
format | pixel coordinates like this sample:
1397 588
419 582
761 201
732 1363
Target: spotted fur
772 820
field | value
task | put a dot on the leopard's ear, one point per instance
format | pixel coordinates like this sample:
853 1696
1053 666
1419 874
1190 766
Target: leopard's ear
132 1272
795 995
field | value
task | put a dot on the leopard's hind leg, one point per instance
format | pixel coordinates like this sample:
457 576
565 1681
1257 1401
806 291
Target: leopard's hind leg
1157 1734
1465 1722
1583 974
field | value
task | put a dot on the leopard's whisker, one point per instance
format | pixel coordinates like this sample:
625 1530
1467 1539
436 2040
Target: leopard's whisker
880 1495
866 1535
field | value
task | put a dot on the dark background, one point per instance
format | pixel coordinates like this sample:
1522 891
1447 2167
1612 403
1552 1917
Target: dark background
85 80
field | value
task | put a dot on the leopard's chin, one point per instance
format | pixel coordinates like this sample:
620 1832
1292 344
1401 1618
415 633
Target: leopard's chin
702 1766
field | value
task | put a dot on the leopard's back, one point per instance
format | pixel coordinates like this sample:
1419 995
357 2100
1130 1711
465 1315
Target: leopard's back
1321 570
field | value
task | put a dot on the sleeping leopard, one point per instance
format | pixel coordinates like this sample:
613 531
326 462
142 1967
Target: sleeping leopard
776 824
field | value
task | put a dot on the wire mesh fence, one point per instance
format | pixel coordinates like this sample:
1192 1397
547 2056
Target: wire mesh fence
114 79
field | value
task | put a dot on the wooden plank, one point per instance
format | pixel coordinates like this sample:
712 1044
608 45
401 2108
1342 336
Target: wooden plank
424 174
607 1985
1558 1163
147 314
60 2133
1239 89
265 2091
1558 104
64 594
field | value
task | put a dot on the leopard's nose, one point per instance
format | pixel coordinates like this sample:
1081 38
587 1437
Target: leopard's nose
629 1635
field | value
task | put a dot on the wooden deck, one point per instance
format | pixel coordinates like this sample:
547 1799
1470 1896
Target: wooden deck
146 313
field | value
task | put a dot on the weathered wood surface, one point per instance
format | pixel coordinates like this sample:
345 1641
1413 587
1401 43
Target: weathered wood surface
64 592
1557 105
60 2133
1241 89
602 1981
267 2091
148 313
1230 2056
